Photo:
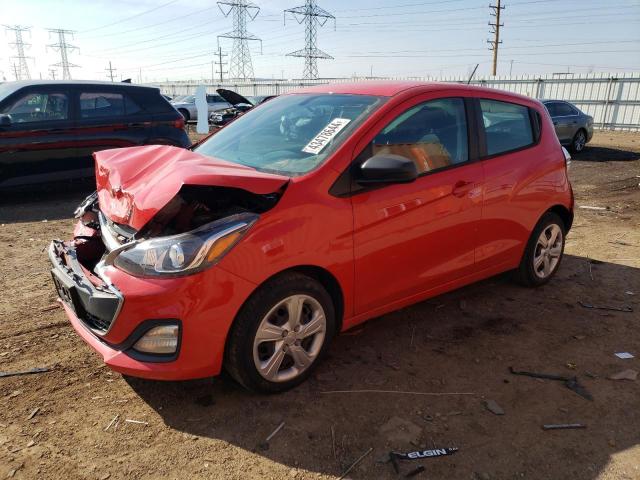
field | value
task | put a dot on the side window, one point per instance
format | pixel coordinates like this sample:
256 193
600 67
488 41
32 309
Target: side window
39 107
98 105
552 108
565 110
432 134
130 107
507 126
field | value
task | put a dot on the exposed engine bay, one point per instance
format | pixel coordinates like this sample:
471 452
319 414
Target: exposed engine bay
192 207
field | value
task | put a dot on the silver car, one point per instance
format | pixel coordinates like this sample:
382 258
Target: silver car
573 127
186 105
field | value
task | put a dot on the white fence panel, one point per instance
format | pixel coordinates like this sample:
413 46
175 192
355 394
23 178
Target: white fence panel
612 99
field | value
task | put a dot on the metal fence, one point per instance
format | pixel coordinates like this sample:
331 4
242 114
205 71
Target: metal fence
613 100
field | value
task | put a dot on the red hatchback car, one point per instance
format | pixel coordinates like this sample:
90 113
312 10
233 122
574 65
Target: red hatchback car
310 214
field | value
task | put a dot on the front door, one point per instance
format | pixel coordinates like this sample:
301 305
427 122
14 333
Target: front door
40 143
565 120
412 238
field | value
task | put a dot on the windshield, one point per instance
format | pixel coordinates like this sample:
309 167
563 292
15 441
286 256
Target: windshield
185 99
292 134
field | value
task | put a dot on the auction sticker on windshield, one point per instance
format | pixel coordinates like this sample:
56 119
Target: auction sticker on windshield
317 144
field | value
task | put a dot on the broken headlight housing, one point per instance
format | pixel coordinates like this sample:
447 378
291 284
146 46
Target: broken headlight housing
185 253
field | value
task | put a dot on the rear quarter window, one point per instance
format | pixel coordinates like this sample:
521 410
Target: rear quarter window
151 101
507 126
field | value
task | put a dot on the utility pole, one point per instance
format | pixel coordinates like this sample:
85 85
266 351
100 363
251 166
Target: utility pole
496 9
241 66
220 65
110 69
64 48
511 67
21 70
52 73
312 15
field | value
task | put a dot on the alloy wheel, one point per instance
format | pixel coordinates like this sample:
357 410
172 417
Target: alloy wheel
289 338
548 250
580 141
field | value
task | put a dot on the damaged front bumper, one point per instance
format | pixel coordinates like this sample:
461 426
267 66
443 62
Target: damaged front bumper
96 305
111 310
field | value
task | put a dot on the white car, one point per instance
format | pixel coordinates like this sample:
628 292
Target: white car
186 105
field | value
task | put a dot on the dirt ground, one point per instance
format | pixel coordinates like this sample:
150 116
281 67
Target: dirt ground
52 425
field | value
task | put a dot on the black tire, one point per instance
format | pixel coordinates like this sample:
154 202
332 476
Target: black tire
579 141
185 114
239 360
526 274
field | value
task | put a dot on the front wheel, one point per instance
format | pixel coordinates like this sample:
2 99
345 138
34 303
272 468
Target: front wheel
280 334
543 252
579 141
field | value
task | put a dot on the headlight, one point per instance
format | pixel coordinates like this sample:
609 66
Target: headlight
186 253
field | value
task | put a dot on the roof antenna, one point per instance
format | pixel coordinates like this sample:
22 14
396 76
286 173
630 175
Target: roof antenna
472 74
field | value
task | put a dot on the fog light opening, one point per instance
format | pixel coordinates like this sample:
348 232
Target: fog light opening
162 339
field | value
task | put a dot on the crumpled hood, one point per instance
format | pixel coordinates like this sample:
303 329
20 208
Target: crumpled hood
135 183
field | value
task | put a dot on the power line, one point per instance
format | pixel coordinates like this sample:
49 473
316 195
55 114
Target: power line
21 70
241 66
126 19
496 31
64 48
312 15
144 27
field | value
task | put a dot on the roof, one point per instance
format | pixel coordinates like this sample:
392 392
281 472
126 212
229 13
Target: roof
27 83
391 88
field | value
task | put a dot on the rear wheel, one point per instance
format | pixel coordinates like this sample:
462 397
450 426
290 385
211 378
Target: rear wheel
543 252
185 114
579 141
280 334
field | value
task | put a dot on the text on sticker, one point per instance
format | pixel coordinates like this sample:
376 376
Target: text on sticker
321 140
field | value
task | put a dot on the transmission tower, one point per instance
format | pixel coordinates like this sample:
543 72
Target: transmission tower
64 48
21 70
240 65
496 9
312 16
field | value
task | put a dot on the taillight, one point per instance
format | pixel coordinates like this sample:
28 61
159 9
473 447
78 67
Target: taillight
179 123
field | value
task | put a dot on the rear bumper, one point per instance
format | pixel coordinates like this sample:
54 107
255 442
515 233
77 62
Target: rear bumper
203 305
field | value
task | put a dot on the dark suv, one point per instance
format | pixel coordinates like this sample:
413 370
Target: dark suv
50 129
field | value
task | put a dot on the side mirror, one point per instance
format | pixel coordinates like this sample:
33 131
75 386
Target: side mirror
5 120
387 168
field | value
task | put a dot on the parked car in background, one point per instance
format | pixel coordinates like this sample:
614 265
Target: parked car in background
186 105
239 104
49 130
305 217
573 127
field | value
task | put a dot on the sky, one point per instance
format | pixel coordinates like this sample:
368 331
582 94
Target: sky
176 39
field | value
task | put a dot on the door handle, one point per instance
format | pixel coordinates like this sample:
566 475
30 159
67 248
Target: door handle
461 188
